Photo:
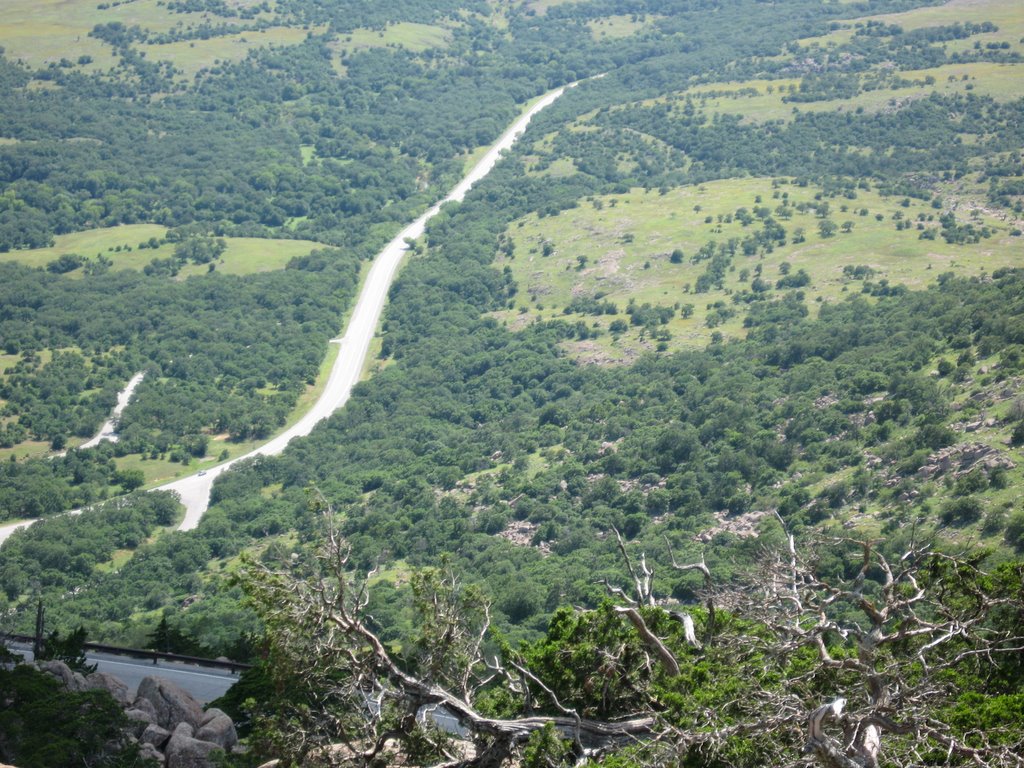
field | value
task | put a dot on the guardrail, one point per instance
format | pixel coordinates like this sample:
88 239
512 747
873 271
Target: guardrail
155 656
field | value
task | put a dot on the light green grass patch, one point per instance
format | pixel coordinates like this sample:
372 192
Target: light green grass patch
409 35
249 255
1005 14
156 471
191 56
620 247
540 7
97 241
397 574
30 449
760 101
8 361
43 31
116 562
614 27
244 255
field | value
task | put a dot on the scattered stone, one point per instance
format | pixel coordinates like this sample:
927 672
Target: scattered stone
145 706
825 401
519 532
138 721
962 458
743 526
148 751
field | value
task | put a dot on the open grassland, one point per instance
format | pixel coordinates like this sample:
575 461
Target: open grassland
540 7
244 255
43 31
189 57
612 27
1005 14
619 249
40 32
759 101
408 35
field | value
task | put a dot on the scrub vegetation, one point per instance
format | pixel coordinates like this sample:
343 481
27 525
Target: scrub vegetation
743 309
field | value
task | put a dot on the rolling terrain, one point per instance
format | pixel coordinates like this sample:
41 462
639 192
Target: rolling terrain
748 296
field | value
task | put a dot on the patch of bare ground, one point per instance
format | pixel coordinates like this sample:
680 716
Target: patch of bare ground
592 353
521 533
744 526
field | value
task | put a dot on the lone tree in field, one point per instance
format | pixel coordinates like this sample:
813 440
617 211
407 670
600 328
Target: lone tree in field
913 660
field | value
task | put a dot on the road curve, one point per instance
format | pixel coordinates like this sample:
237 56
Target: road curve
194 490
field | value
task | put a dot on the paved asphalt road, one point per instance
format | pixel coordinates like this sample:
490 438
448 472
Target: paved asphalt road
203 683
194 490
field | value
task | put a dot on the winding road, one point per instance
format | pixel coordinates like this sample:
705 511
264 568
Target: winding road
194 490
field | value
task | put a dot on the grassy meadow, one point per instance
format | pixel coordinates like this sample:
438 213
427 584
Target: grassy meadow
618 249
244 255
190 57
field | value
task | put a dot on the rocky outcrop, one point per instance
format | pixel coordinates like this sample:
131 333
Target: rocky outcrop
104 682
218 728
169 725
963 458
141 714
73 681
155 735
171 704
149 752
184 751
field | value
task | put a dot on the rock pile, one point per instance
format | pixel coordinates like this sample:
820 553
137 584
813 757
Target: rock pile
962 458
168 724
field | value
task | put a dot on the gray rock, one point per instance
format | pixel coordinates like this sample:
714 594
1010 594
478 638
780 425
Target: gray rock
183 751
155 735
104 682
171 703
139 720
73 681
145 705
210 714
218 729
152 753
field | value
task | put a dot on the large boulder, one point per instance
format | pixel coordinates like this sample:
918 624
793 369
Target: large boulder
140 716
184 751
104 682
218 728
171 704
155 735
148 751
71 680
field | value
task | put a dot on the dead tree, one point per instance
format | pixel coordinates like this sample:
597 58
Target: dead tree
322 632
884 642
834 672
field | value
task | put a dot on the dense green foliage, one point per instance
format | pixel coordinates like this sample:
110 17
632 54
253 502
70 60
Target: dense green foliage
44 726
475 441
